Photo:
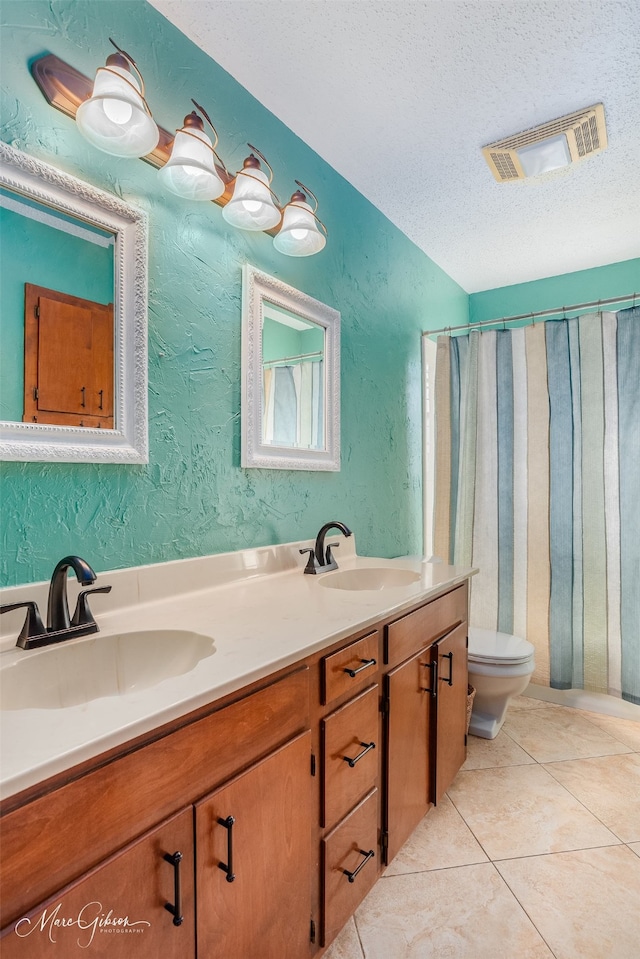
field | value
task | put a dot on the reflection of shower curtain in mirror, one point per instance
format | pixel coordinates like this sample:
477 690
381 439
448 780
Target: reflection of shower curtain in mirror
293 406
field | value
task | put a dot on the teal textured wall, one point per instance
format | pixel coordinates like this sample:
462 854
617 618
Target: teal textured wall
193 498
584 286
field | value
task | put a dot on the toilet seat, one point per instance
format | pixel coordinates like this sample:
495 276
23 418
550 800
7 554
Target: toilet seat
491 647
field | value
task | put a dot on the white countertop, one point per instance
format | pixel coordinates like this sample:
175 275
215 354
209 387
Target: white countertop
259 609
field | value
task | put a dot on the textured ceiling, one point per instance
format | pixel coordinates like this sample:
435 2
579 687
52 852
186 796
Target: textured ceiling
399 96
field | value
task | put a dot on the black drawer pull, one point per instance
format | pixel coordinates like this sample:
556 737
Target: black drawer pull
433 688
367 747
365 664
351 876
449 680
176 908
228 868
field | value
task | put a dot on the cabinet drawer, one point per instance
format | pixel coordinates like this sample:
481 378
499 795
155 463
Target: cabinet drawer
350 669
346 850
411 633
351 751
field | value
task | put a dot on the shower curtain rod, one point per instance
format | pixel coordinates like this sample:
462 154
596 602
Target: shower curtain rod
532 316
287 359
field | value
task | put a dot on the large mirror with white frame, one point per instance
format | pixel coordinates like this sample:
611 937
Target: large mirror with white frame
73 318
290 377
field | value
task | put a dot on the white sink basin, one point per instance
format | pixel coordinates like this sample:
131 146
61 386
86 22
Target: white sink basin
86 669
369 577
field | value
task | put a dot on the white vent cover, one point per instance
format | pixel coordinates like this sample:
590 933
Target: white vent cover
584 130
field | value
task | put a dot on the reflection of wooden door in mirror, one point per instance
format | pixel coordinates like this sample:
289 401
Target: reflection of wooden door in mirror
68 360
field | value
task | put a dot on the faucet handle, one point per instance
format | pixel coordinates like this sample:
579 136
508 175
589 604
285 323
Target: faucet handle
83 615
33 625
330 559
312 563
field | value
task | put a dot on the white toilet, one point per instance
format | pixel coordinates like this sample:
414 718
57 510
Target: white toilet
500 667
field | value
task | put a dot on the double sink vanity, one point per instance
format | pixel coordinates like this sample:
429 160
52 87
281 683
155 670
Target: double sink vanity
225 768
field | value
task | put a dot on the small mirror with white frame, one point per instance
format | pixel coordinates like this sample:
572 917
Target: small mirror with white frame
290 377
56 207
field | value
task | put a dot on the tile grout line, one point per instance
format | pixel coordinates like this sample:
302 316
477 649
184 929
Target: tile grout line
584 806
360 943
565 788
561 852
526 751
469 828
529 917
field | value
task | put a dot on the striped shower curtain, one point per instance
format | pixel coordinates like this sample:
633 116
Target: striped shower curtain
538 485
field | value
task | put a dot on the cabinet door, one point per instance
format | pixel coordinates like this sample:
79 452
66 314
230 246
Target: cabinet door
408 788
119 908
253 860
451 723
68 359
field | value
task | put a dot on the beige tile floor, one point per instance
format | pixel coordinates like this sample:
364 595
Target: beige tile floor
533 854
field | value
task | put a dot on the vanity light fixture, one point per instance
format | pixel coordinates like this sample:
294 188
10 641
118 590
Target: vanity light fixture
116 118
251 206
299 234
190 171
113 115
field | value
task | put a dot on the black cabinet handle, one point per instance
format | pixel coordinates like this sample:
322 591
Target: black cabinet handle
448 680
228 867
176 908
100 394
351 876
432 666
367 747
83 390
365 664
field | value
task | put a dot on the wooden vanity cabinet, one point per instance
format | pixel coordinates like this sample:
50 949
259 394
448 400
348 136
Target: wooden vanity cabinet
285 801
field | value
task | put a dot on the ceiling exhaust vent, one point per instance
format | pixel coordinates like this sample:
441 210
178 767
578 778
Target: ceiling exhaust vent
549 146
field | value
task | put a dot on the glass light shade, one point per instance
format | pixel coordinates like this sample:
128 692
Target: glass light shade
299 234
549 154
190 171
251 206
115 119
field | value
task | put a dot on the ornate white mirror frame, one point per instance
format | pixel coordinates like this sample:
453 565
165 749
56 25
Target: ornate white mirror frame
259 290
128 441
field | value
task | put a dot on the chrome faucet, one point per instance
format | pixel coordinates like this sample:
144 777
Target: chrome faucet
59 627
321 559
